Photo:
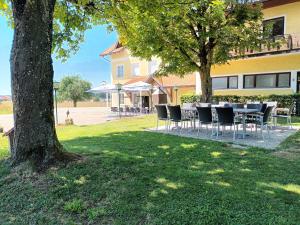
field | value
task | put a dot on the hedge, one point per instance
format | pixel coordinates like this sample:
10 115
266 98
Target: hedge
284 101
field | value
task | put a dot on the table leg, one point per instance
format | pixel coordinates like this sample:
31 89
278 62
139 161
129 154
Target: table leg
244 125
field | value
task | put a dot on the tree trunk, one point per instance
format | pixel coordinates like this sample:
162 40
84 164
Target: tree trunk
74 103
35 139
206 84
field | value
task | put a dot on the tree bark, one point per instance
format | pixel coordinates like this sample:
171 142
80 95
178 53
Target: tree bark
35 139
74 103
205 58
206 83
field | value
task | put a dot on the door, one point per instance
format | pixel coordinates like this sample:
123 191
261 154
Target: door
145 101
298 82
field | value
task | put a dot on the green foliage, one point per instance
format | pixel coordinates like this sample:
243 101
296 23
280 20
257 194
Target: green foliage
71 20
75 205
283 100
185 34
73 88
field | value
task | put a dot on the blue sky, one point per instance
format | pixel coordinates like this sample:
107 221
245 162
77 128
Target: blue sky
85 63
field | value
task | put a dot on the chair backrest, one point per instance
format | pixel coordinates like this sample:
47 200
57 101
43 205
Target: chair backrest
205 115
225 115
175 112
127 109
238 105
114 109
227 105
267 113
162 112
254 106
263 107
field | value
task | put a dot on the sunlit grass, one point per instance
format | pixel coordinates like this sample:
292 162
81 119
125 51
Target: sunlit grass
131 176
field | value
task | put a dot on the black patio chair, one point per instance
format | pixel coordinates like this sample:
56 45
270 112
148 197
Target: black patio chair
162 114
263 107
114 109
205 117
127 110
226 117
176 116
263 121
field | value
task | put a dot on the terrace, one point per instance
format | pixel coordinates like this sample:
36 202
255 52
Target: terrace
280 44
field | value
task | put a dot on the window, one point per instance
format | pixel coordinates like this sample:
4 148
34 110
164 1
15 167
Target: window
266 81
232 82
135 69
120 71
276 25
275 80
153 67
219 83
284 80
224 82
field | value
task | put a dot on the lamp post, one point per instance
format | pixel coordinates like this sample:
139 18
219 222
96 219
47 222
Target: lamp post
175 88
55 88
119 88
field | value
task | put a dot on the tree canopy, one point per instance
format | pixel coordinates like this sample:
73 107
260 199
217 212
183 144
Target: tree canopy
188 36
73 88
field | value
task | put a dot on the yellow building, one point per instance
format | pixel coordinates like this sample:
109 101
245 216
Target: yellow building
268 71
127 69
271 70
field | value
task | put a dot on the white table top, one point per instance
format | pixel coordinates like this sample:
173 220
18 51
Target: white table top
246 111
243 111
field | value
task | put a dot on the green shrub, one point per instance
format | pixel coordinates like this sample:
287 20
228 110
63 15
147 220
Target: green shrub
283 100
75 205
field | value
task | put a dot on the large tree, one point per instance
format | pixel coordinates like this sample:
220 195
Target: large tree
42 27
190 35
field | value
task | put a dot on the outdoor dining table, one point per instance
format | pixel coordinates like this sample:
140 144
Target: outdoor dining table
243 112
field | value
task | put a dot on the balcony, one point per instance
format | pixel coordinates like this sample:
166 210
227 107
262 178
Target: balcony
278 45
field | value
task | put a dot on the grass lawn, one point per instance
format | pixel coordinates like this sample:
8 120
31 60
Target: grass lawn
131 176
5 108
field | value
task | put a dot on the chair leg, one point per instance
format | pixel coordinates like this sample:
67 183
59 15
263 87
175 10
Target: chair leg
233 131
206 129
157 124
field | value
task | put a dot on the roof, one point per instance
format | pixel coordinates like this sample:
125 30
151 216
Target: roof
137 79
115 48
274 3
172 80
168 81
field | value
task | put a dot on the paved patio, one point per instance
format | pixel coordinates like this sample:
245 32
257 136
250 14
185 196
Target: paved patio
80 116
277 135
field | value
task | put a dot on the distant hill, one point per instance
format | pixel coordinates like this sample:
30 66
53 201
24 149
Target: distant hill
5 98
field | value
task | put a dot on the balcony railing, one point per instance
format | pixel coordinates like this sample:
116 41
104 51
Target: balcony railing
277 45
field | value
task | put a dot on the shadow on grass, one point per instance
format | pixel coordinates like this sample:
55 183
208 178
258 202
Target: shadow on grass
138 177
